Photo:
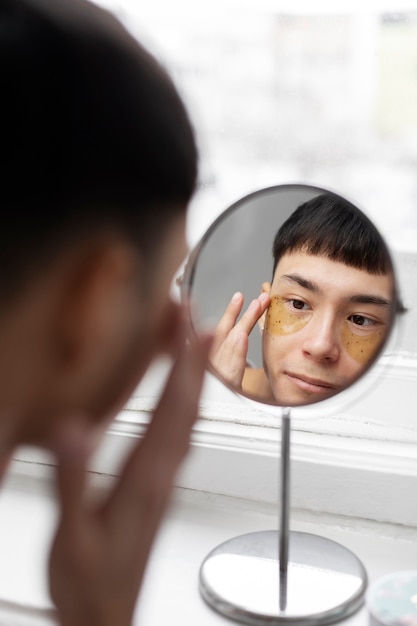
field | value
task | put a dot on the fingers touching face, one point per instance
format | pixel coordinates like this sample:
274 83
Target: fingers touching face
229 354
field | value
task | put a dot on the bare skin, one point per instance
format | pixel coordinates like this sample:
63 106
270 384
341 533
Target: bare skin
74 344
100 553
231 340
325 323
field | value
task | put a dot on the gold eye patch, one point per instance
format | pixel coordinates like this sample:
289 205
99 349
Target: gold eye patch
361 348
281 321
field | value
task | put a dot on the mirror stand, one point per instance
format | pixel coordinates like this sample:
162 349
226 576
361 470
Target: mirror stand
271 577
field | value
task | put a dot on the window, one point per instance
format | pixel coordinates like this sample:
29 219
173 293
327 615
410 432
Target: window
283 92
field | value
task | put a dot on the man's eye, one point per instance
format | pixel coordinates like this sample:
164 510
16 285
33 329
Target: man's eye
361 320
299 304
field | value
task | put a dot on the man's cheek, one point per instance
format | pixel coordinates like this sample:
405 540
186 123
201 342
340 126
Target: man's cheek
169 330
273 352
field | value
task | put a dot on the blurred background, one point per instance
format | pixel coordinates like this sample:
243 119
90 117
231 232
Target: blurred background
298 91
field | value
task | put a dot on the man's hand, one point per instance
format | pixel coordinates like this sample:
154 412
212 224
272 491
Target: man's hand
99 554
230 348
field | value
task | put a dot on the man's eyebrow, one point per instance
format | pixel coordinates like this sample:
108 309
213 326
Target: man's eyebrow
360 298
303 282
368 299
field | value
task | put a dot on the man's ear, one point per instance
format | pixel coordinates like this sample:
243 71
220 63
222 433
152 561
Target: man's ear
266 288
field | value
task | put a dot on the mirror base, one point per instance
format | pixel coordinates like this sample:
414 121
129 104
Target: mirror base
325 581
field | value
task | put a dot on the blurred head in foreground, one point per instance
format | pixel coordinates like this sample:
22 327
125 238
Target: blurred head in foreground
99 163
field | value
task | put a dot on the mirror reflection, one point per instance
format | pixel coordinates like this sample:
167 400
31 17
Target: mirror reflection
308 275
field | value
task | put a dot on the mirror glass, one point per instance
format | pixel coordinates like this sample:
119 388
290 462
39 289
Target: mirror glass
300 288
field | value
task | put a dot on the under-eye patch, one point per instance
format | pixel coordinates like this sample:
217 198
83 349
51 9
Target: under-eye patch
362 348
281 321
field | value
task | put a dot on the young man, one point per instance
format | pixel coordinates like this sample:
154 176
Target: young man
99 163
326 314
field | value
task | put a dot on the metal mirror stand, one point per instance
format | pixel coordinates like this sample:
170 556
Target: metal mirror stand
276 577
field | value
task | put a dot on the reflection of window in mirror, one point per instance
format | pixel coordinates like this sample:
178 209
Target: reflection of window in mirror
283 92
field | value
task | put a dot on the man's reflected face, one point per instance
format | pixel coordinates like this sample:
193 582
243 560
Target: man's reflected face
325 325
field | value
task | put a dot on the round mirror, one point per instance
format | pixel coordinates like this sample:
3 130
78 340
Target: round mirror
300 287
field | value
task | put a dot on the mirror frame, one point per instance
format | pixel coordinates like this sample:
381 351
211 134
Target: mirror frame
353 391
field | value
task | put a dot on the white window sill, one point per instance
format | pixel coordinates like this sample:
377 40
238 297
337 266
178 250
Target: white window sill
195 524
361 462
353 481
337 475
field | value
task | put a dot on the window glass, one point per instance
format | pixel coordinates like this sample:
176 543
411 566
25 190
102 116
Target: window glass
281 92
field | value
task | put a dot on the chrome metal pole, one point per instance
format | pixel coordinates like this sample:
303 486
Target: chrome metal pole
284 526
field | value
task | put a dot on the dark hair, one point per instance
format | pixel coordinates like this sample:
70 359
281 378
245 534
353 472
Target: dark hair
331 227
93 133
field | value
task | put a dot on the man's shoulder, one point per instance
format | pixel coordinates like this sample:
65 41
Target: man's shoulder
255 383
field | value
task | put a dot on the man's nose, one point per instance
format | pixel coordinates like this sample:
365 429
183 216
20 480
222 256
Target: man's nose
322 341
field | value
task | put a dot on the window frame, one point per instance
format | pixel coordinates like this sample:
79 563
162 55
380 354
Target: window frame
234 451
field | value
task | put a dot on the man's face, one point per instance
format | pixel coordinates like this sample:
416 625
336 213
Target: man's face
325 324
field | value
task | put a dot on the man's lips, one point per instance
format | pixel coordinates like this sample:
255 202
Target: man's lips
313 385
